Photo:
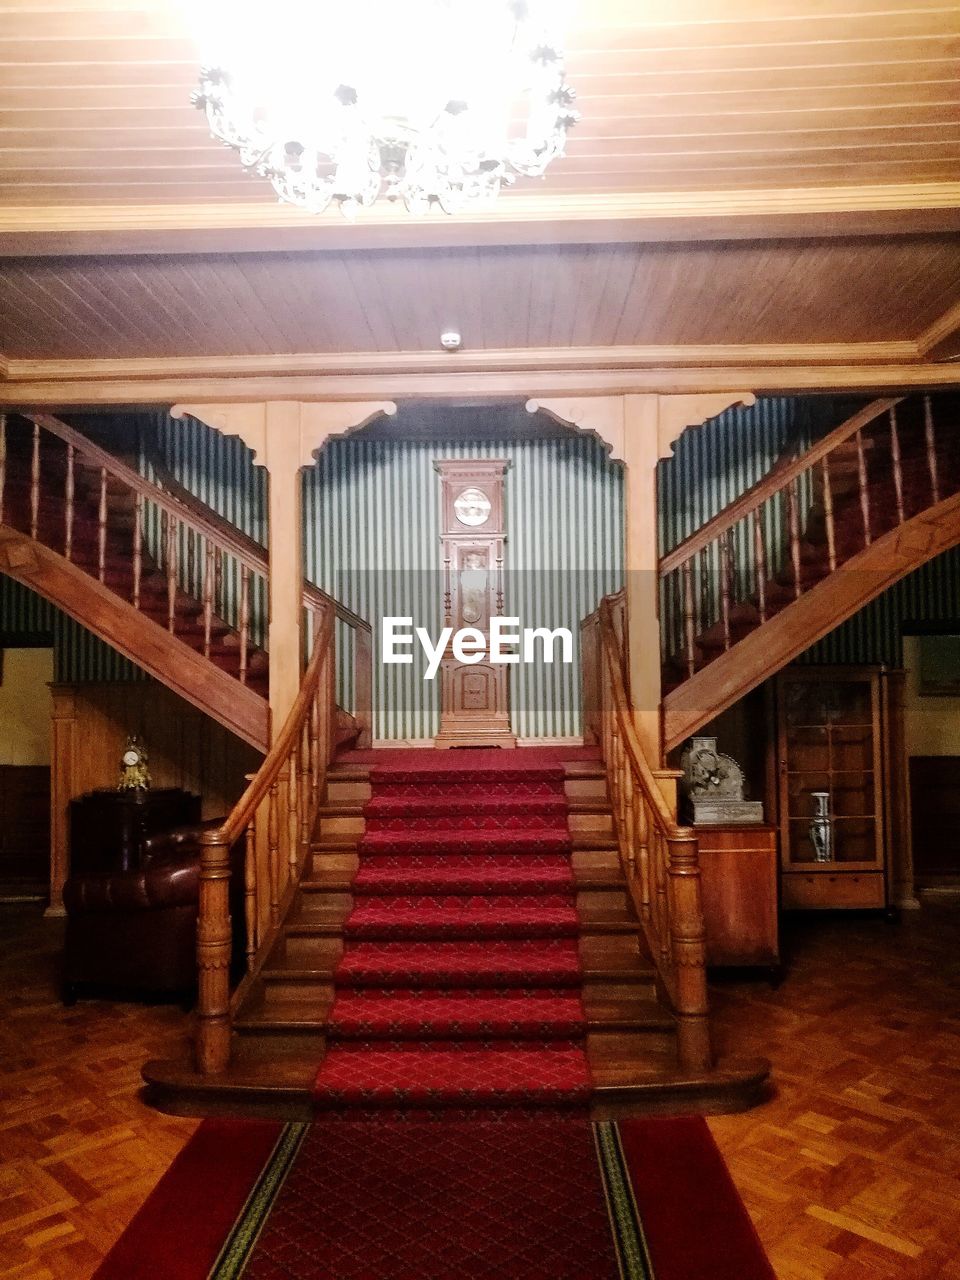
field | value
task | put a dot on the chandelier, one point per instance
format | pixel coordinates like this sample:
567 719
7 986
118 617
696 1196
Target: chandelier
427 102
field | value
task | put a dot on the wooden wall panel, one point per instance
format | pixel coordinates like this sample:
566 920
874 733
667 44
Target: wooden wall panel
186 749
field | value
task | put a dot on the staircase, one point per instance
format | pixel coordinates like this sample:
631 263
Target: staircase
158 576
803 550
461 935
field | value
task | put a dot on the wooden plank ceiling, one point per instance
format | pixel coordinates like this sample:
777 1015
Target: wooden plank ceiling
675 94
127 233
499 298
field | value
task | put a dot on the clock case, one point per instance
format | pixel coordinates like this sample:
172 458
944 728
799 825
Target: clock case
474 699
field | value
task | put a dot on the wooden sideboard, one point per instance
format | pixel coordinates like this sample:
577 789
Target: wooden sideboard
738 867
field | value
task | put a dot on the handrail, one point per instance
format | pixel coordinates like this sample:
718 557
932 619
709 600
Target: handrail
275 817
242 813
314 597
235 543
621 706
181 510
774 481
659 857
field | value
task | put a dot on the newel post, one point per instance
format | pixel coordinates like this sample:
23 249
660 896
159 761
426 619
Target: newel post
214 938
688 945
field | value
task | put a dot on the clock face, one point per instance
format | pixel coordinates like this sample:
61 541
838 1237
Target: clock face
472 507
131 757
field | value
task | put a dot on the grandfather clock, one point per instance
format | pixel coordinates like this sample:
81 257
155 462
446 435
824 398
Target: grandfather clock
474 710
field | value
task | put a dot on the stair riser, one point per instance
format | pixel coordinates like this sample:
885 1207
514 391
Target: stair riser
586 789
583 825
324 906
276 994
348 792
604 1046
340 826
310 952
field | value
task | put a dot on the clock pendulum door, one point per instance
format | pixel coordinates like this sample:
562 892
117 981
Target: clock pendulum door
474 706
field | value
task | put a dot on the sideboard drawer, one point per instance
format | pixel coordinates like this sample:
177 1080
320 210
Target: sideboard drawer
828 889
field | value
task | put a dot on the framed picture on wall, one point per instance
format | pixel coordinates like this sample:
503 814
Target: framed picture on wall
939 666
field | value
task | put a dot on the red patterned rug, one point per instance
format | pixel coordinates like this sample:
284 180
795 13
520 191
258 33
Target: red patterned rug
460 979
504 1196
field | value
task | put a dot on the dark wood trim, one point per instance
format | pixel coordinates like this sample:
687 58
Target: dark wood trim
831 601
136 636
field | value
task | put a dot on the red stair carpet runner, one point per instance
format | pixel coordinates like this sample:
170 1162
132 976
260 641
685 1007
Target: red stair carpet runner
460 979
536 1195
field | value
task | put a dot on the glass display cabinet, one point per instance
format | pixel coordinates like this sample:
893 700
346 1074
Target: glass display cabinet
832 794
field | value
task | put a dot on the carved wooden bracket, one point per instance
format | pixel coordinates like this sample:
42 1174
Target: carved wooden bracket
606 417
315 423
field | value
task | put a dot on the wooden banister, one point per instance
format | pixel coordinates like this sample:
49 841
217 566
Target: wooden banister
314 597
181 512
275 815
775 481
659 857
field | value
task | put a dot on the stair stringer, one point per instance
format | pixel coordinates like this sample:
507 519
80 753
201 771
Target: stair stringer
804 621
163 655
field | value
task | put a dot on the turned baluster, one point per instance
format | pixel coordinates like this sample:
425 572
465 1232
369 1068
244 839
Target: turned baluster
137 549
207 598
293 819
828 515
708 613
793 524
895 459
102 528
759 564
218 581
68 493
931 448
864 489
244 622
318 762
250 893
213 955
3 461
35 482
688 951
629 823
173 525
273 851
643 857
689 617
303 794
663 909
726 582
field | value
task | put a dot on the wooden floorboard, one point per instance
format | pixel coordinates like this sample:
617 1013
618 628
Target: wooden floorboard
851 1171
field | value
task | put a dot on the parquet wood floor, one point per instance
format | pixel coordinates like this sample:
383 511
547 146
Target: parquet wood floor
79 1151
851 1171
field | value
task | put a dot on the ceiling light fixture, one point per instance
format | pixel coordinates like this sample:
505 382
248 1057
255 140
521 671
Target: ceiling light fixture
427 102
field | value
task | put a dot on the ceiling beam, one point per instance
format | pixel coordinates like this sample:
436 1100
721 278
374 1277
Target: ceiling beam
942 340
387 363
516 219
472 387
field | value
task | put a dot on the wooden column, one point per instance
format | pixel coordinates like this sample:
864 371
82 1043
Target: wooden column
286 558
640 430
63 724
285 435
641 562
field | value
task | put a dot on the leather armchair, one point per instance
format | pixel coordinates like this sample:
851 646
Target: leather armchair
136 930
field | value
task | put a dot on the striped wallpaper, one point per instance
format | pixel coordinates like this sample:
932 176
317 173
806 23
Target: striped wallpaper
371 511
373 504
